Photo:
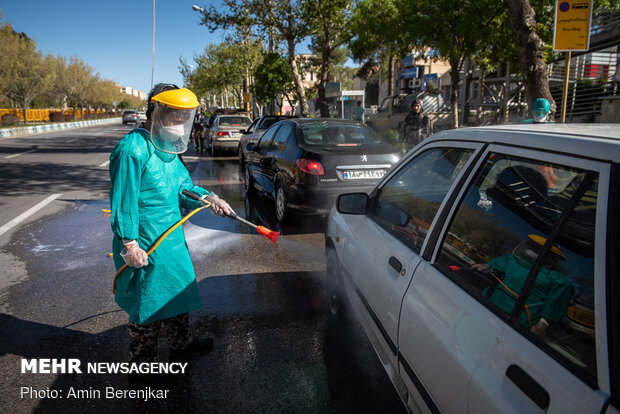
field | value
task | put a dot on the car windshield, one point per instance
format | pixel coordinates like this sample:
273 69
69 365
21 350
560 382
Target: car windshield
335 136
235 121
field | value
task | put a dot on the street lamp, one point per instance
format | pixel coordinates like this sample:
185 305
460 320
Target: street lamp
153 64
197 8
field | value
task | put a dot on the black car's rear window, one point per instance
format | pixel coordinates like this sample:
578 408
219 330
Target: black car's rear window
338 136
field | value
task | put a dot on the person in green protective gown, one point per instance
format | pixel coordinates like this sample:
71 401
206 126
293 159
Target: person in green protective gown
550 296
147 180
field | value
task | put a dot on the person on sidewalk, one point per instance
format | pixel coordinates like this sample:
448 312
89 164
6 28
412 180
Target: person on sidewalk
540 112
416 127
147 180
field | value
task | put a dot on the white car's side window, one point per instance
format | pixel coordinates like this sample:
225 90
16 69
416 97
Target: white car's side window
407 204
493 245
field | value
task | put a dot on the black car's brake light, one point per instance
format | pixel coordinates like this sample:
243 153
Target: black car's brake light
310 166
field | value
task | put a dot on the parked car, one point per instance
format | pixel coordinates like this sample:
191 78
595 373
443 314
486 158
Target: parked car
484 269
225 130
256 130
130 117
303 164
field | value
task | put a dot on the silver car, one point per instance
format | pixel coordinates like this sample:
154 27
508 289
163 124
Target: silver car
255 131
484 269
225 131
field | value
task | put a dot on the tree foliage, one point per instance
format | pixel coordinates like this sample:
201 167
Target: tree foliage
27 78
328 23
24 73
284 17
271 78
222 67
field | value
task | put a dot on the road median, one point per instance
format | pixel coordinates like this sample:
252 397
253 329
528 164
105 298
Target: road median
40 129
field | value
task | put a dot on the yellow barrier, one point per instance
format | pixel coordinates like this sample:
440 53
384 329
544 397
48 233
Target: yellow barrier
44 114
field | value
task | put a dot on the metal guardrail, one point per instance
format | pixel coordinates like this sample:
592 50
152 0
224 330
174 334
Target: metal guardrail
585 98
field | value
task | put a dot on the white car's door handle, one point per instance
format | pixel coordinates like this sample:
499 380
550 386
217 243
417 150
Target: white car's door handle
396 265
528 385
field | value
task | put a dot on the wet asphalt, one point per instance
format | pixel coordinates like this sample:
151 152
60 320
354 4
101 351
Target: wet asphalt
276 348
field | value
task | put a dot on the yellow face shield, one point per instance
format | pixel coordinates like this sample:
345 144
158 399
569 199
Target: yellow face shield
171 128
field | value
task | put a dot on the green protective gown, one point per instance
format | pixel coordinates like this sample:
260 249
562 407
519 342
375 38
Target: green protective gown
549 297
145 197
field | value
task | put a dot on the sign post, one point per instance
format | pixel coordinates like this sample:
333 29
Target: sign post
571 33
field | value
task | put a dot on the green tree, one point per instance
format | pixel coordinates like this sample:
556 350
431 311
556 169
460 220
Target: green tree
24 73
222 67
532 28
80 80
286 17
272 78
378 31
328 23
453 29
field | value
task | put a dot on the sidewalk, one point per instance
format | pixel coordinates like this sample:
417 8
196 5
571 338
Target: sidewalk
39 129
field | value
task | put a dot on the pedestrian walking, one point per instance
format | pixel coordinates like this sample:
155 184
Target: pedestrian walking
358 112
147 180
416 127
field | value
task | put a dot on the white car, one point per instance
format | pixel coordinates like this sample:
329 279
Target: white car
141 116
225 132
484 269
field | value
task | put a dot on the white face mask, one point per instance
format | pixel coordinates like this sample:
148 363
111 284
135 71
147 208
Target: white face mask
171 133
540 117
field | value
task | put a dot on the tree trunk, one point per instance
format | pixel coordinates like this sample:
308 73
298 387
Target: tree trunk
299 87
479 109
321 102
505 109
466 88
390 90
455 78
531 48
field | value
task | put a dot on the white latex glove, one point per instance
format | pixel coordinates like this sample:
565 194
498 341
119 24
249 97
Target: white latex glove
218 205
134 256
540 328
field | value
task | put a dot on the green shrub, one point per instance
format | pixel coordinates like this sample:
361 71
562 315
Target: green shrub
390 135
57 117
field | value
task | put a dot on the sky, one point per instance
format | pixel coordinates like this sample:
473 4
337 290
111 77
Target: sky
115 37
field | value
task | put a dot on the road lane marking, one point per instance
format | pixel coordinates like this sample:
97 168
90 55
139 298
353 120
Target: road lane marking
21 153
8 226
105 164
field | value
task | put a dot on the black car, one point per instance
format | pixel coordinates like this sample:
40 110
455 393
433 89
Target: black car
304 164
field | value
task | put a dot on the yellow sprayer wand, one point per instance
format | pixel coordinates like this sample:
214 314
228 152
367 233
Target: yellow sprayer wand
205 204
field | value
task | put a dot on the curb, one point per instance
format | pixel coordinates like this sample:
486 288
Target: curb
39 129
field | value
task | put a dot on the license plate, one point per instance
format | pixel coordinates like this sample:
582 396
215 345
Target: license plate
363 174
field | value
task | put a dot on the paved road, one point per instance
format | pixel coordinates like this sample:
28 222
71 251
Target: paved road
275 348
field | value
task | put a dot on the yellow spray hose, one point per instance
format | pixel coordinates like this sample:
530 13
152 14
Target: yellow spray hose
527 309
206 204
